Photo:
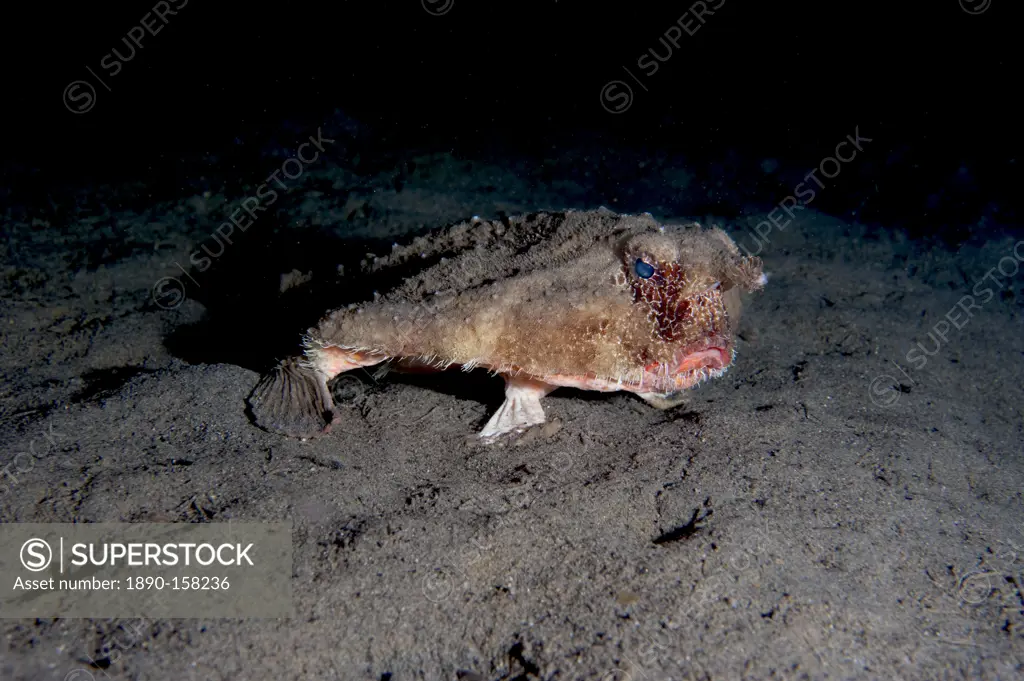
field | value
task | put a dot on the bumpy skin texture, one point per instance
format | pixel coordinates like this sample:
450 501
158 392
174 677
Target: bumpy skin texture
552 295
590 300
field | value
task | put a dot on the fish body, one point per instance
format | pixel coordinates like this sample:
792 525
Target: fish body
584 299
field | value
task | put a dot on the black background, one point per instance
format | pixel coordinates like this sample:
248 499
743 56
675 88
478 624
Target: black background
934 86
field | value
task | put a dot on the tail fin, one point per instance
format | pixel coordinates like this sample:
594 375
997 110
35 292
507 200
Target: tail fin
293 400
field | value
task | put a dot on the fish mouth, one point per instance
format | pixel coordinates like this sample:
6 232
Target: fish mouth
691 365
710 354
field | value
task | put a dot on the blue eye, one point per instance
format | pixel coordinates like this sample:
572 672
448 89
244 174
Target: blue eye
643 270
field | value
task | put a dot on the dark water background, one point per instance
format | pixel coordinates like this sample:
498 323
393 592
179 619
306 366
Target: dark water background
758 86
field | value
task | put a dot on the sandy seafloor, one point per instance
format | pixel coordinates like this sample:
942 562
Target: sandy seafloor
857 522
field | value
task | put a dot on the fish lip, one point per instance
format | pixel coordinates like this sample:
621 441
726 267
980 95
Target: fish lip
712 352
691 365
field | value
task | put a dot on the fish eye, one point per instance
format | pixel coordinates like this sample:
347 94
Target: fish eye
643 270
